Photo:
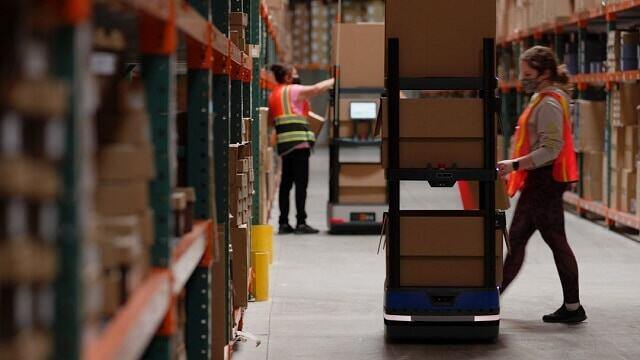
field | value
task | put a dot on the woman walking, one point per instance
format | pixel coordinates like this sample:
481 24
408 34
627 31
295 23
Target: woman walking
542 165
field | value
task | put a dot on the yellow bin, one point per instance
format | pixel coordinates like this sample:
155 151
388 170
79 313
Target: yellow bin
262 239
260 260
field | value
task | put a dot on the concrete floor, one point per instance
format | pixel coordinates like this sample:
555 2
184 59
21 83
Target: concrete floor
326 295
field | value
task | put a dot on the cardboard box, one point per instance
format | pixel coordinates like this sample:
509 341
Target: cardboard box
616 188
240 265
444 236
637 202
360 54
428 135
445 271
362 184
624 103
126 162
591 119
592 175
501 199
419 153
617 147
122 198
131 128
238 19
630 146
316 122
440 38
437 118
627 189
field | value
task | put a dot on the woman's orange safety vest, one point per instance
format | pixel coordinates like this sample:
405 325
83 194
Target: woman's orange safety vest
565 168
292 129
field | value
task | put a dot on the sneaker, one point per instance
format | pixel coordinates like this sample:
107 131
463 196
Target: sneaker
285 229
565 316
305 229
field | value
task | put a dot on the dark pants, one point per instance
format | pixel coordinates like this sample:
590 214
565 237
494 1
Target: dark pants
541 208
295 170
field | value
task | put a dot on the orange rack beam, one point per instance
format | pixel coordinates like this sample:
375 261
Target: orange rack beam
194 25
608 11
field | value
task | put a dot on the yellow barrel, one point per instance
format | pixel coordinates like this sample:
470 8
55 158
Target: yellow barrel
262 239
260 260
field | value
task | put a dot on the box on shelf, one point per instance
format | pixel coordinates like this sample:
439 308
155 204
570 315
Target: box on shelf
362 184
591 119
628 189
238 19
240 240
613 50
444 262
126 162
122 197
630 146
624 102
592 176
429 135
437 39
617 147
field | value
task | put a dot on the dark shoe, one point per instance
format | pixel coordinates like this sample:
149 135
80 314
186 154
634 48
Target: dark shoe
285 229
565 316
305 229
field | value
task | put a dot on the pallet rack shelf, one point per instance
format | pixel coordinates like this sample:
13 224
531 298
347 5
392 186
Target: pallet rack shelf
144 325
600 19
128 334
601 12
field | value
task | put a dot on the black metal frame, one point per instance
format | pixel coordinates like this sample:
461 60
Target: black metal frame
486 176
335 142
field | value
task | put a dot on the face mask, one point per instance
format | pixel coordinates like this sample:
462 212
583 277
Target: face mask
530 85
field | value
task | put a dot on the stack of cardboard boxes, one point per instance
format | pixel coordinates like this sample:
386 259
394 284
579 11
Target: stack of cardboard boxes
441 131
300 36
268 173
31 148
241 180
125 226
320 22
522 15
238 23
362 184
589 141
624 146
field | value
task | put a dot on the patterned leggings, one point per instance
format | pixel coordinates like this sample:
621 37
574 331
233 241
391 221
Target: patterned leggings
541 208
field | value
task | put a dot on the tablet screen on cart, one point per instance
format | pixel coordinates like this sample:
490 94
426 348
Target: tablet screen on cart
363 110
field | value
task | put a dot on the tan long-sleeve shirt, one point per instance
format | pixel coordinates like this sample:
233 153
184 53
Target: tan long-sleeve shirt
545 129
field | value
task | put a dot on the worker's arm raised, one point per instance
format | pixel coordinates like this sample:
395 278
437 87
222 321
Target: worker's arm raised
307 92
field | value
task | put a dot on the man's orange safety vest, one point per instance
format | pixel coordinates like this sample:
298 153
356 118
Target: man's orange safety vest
565 168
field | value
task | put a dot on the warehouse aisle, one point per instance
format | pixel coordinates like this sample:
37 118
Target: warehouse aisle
326 297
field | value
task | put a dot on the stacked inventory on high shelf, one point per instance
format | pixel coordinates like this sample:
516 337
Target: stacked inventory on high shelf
357 190
598 42
126 208
443 266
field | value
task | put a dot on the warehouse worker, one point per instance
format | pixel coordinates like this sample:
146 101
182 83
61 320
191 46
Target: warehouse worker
288 108
543 164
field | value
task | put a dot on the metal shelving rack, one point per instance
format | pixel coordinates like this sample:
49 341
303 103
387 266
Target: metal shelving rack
143 325
334 208
602 18
414 312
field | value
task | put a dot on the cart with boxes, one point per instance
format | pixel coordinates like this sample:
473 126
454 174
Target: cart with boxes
357 187
443 266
